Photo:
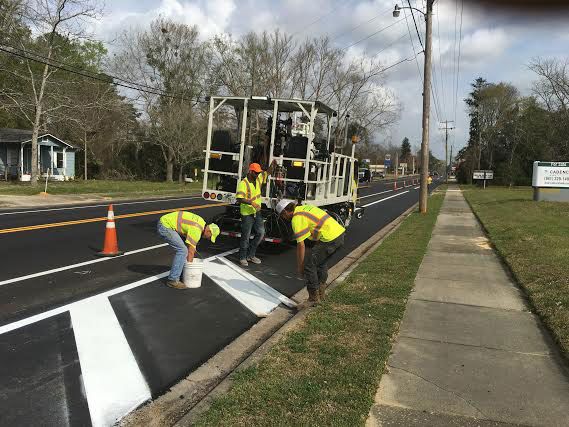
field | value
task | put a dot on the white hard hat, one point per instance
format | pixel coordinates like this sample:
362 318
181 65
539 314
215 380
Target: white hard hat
283 204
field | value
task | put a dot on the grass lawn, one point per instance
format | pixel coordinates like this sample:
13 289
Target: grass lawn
327 370
533 238
101 187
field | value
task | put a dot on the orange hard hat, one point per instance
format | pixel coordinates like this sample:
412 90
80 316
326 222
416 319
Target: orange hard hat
255 167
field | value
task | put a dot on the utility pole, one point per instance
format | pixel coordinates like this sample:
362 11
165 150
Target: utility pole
446 129
450 159
424 192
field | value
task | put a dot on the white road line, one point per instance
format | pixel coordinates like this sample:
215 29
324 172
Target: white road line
114 384
375 194
259 283
98 206
81 264
387 198
416 188
62 309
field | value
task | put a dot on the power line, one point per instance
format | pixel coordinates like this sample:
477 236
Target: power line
107 78
378 72
458 62
320 18
413 46
371 35
440 61
415 22
338 35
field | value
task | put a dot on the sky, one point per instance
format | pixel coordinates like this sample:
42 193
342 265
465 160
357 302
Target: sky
496 44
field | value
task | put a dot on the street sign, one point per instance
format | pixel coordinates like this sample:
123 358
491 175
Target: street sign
550 174
403 165
478 175
482 174
366 161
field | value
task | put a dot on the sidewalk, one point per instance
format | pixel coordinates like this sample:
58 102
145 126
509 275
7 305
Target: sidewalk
469 353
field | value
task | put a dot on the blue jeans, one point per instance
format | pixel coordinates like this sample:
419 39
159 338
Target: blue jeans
177 243
248 249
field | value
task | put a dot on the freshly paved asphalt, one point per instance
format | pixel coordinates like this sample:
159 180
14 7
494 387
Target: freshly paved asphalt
170 332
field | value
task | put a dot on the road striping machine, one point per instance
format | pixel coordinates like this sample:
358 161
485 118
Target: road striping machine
315 165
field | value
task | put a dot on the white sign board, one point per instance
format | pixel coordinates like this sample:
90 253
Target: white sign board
403 165
483 175
478 175
550 174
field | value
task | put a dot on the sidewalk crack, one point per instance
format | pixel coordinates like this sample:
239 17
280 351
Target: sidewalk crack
441 388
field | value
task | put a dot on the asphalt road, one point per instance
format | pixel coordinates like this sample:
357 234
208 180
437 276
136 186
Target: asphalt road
49 368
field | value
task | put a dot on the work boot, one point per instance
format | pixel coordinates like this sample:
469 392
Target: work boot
313 299
321 291
175 284
254 260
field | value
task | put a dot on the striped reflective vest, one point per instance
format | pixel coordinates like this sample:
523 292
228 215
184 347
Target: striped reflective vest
251 192
310 222
187 224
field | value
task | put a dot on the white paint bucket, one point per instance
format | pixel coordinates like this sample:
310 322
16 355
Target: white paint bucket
193 271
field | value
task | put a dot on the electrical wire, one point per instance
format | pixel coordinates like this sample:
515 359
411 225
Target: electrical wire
458 61
105 78
371 35
343 33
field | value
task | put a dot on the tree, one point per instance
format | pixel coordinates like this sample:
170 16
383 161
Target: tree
58 22
405 150
170 59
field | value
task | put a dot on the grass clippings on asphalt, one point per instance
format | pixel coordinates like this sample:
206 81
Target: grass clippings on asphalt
326 371
111 188
533 239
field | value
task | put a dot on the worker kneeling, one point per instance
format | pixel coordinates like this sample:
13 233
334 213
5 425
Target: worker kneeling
174 228
314 224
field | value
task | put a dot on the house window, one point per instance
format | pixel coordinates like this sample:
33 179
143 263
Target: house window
58 160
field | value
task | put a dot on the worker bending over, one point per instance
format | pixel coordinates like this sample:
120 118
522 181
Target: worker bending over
314 224
249 196
174 228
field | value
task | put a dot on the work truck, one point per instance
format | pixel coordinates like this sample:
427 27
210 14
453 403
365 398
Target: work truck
314 156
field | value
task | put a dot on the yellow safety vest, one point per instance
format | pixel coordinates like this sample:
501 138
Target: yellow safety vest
310 222
187 224
250 192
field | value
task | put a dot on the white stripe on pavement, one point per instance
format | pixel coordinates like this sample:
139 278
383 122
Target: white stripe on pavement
375 194
416 188
114 384
386 198
55 311
81 264
98 206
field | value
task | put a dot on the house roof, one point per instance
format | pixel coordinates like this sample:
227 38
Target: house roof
24 135
14 135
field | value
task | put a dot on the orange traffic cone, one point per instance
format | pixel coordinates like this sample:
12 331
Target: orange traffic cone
394 185
110 246
404 184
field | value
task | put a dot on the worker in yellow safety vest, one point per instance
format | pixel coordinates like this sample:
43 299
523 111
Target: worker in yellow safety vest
175 227
313 224
249 198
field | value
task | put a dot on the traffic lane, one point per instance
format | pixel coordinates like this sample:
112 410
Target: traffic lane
30 218
23 218
22 299
31 296
33 251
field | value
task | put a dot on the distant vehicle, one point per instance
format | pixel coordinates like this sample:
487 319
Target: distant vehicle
364 175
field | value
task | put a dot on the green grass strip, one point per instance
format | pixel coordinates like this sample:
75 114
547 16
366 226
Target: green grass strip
101 187
327 370
533 239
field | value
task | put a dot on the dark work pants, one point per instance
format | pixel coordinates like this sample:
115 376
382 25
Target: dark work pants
316 261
